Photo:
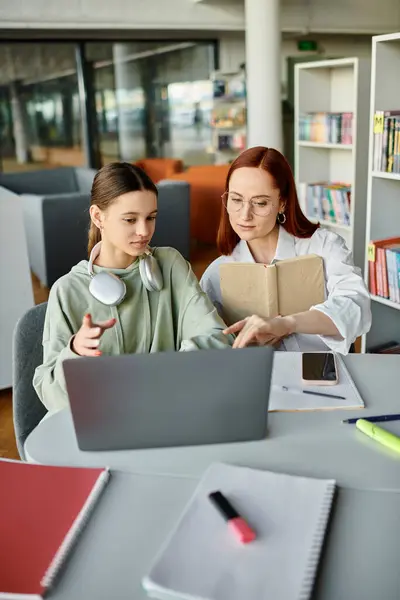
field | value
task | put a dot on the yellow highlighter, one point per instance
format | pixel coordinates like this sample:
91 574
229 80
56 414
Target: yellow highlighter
379 435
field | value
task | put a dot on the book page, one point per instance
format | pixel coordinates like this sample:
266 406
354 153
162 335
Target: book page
248 289
202 560
300 283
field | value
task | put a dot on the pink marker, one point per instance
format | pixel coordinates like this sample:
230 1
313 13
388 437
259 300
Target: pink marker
238 525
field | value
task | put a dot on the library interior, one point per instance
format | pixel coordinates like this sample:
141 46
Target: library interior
180 179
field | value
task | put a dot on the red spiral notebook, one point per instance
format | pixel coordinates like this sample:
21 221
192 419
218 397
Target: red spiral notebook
42 512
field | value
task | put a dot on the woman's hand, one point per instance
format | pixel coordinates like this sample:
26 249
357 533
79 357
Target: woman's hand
87 340
255 330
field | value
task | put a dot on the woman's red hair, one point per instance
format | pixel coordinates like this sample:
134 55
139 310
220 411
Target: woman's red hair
274 163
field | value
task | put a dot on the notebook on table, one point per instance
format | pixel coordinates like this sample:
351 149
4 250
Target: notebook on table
202 560
287 373
42 512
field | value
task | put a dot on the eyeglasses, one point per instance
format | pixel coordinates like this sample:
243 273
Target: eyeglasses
260 205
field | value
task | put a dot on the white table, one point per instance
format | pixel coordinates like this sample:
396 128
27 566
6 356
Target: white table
137 512
142 504
314 444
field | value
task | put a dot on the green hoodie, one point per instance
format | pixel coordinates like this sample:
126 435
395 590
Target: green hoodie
180 317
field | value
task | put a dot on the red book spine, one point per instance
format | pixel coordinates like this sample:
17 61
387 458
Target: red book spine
372 278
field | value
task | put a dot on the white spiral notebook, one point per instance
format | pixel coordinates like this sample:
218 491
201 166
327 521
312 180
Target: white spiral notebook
202 559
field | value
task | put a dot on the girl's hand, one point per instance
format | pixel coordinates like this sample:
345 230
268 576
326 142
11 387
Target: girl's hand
87 340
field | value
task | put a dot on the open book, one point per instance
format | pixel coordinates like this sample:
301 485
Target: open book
287 287
202 560
42 512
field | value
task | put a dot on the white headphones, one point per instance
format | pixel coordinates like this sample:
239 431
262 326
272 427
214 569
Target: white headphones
109 289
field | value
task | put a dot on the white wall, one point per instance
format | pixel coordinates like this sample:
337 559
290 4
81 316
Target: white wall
16 284
346 16
119 14
340 46
232 49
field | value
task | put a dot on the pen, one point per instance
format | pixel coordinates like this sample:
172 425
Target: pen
238 525
284 388
379 435
325 395
374 419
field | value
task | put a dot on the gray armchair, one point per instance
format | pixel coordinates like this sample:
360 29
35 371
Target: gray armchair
27 355
55 205
173 219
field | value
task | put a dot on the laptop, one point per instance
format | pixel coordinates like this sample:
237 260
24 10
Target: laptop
136 401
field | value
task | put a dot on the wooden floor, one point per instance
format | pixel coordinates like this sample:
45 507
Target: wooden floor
201 258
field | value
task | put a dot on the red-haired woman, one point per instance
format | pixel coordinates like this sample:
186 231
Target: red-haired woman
261 221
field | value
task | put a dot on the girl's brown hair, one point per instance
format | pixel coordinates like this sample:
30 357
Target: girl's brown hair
111 181
274 163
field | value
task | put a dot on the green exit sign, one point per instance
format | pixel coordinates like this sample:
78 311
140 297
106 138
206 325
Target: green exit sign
307 45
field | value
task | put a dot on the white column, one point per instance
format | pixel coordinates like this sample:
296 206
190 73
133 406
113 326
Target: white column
126 79
19 126
263 72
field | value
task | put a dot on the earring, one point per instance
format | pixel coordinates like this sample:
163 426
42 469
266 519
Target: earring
281 218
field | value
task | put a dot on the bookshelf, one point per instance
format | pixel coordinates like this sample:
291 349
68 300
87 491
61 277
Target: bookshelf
382 175
329 146
383 194
331 138
229 130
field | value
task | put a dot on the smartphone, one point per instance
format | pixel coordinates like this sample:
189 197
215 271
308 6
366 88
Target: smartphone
319 368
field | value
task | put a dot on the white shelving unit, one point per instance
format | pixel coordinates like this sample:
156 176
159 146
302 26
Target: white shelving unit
383 195
336 86
229 132
304 144
382 175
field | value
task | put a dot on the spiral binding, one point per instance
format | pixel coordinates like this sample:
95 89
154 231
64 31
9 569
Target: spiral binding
318 538
75 530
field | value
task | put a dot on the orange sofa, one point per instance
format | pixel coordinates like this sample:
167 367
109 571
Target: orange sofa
207 184
160 168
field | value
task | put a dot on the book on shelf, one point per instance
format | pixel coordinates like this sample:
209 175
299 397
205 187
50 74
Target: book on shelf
43 510
326 128
327 201
228 117
229 107
287 287
384 268
386 147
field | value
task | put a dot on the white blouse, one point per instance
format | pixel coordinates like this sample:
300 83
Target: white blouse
347 299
